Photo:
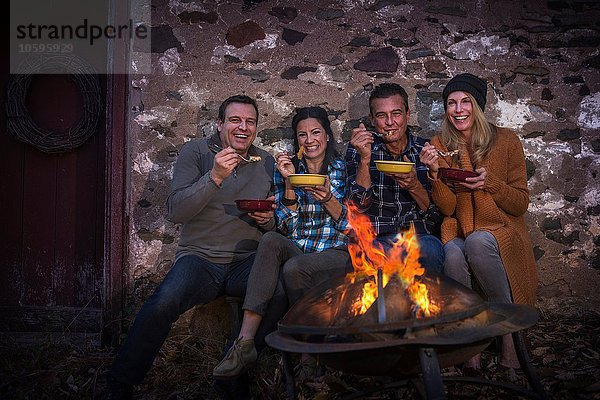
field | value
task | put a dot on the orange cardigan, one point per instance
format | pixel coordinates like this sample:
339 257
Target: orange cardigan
498 208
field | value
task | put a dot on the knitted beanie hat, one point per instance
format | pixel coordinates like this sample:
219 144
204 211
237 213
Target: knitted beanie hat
469 83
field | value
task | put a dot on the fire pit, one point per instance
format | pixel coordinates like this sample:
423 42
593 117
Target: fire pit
322 324
390 318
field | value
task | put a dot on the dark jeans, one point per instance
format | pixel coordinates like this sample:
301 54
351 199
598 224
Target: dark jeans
192 280
430 248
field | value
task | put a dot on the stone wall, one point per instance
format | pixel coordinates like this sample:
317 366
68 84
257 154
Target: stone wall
541 59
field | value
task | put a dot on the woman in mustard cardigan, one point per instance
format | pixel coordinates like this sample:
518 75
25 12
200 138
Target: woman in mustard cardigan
484 232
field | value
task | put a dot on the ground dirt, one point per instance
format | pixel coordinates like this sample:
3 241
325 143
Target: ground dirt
564 347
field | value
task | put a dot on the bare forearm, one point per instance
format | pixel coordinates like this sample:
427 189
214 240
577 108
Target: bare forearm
363 175
290 195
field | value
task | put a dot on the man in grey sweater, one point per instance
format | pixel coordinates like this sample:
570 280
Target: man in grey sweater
218 242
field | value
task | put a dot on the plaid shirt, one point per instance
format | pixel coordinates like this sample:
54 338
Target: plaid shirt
390 208
311 227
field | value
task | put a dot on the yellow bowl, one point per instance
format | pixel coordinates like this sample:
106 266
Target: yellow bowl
393 167
307 179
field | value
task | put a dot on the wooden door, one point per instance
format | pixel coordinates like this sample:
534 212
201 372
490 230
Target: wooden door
52 217
63 220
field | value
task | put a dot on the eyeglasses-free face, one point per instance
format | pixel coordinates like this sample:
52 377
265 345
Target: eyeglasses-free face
390 117
238 129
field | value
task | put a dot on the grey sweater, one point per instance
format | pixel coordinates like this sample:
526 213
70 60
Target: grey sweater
213 227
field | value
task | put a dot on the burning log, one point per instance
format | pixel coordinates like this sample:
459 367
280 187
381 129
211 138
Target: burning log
401 260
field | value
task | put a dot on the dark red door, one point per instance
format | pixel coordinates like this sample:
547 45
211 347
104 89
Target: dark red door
52 213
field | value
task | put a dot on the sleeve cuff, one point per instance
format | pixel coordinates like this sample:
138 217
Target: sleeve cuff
210 178
268 226
431 179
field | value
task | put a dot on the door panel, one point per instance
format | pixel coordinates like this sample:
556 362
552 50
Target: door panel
52 213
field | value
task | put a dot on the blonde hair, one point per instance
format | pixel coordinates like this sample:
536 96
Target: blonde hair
483 134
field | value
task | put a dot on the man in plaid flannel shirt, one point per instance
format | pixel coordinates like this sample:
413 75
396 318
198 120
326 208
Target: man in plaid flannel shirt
396 201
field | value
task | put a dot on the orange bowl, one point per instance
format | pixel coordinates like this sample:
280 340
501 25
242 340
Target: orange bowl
250 205
307 179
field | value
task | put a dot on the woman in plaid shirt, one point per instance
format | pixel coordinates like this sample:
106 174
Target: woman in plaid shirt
310 245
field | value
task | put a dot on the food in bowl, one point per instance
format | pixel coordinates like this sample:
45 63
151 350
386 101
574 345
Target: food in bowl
307 179
393 167
456 174
253 205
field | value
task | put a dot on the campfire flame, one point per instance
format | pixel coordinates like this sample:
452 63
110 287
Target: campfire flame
368 255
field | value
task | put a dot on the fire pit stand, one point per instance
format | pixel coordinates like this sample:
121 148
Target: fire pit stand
402 346
432 376
431 385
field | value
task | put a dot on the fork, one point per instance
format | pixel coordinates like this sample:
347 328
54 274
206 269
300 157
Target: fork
216 147
448 153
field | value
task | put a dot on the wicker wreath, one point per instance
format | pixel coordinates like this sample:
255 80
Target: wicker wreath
19 121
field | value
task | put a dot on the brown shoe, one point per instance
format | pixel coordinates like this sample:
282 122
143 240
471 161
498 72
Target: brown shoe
237 360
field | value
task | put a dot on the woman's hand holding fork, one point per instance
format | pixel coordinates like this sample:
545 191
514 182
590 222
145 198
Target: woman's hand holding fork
429 156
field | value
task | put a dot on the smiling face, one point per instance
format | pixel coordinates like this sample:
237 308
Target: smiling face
390 117
312 136
238 128
459 110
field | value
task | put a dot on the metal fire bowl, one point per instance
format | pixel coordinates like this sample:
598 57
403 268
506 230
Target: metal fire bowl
398 357
327 308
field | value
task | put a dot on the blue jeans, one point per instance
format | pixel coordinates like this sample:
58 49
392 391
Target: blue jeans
430 247
478 256
192 280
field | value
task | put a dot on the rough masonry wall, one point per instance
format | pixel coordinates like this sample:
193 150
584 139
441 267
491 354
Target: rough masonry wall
541 59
